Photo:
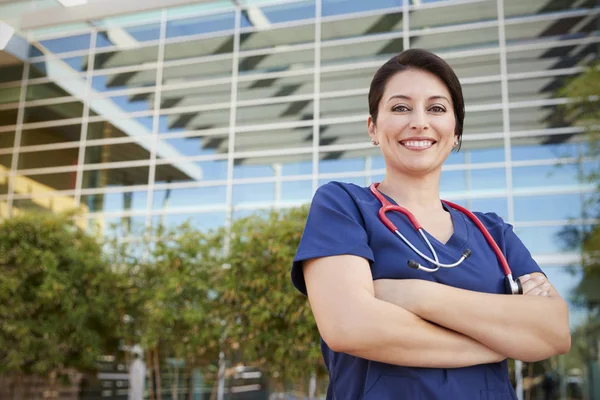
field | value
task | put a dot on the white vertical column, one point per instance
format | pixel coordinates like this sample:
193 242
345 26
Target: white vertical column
156 116
507 152
17 140
85 119
317 96
405 25
232 116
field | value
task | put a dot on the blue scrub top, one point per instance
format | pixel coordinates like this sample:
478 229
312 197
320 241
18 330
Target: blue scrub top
343 219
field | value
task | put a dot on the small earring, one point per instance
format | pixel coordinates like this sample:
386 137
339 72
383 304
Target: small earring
374 143
456 143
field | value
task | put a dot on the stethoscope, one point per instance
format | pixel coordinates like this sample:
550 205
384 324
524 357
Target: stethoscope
511 286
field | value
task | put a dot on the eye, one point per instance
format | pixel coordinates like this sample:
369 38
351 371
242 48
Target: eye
400 108
438 109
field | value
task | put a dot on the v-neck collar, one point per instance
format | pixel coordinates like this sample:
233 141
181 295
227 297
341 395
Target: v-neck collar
459 236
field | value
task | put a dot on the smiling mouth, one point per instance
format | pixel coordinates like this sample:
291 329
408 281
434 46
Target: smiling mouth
417 144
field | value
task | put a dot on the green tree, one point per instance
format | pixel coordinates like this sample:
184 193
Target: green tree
58 305
268 321
169 309
583 110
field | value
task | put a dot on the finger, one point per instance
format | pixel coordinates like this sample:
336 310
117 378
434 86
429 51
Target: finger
533 283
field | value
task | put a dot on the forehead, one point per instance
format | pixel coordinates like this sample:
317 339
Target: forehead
415 83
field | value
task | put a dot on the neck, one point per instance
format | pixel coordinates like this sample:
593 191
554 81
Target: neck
413 192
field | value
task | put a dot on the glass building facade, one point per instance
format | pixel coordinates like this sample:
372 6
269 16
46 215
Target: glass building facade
212 110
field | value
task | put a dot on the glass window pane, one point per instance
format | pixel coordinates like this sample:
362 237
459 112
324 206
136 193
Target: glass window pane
350 132
124 80
115 177
451 14
195 96
115 202
486 180
184 170
7 140
357 180
355 26
535 88
546 176
46 201
482 121
5 164
197 48
116 105
44 184
545 58
203 221
466 39
197 145
273 139
64 68
200 24
253 194
364 51
179 171
536 7
200 197
3 204
538 118
337 7
52 134
272 166
202 70
567 27
66 44
549 207
53 112
8 117
344 161
49 90
497 205
483 93
272 37
282 61
194 121
120 126
542 239
541 148
11 73
126 57
453 183
346 80
296 191
116 152
285 12
475 66
10 94
275 87
49 158
300 110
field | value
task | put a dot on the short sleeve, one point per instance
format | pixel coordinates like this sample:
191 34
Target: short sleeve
517 255
334 227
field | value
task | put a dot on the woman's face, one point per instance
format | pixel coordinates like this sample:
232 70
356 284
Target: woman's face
415 126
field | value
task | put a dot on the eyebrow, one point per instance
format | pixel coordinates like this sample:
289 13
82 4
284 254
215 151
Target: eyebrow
401 96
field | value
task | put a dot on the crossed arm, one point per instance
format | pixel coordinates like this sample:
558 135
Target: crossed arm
399 322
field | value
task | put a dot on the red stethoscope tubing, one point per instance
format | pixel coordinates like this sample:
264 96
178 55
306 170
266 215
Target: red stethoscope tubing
387 206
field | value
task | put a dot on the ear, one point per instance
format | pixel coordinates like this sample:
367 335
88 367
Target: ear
371 128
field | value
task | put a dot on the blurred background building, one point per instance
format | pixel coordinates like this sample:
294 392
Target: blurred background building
138 113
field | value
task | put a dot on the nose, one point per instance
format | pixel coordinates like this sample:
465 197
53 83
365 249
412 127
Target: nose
419 120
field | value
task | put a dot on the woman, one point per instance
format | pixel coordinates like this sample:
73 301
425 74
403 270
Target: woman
393 332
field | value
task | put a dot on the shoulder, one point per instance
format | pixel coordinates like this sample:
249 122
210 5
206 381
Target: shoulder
490 219
343 192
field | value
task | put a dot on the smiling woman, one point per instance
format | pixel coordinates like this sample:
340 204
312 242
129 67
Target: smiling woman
393 332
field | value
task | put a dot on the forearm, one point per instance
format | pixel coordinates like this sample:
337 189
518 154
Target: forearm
387 333
528 328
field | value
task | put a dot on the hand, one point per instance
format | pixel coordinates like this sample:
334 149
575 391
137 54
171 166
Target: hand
535 285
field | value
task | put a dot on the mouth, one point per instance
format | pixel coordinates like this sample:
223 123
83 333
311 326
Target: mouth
418 144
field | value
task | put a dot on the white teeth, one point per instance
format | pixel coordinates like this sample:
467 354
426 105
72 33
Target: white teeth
418 143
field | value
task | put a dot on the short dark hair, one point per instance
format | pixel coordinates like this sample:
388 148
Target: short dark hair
418 59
